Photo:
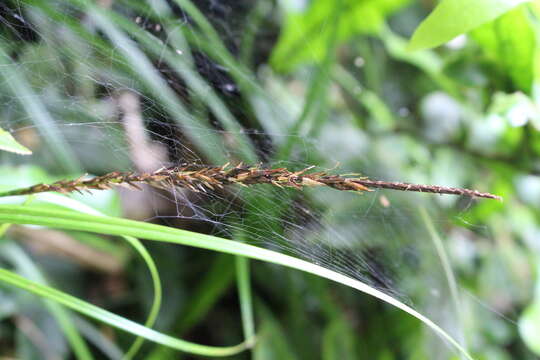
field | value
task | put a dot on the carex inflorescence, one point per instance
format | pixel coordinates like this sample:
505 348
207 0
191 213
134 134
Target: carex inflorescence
208 178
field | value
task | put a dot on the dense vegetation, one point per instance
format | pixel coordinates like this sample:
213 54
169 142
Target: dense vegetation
414 91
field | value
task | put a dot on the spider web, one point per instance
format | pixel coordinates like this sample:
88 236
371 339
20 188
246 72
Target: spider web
111 121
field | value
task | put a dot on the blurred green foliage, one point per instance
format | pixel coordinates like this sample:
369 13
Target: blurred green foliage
308 28
510 43
295 83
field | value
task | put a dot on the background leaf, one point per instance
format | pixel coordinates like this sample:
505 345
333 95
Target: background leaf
529 323
510 42
454 17
529 327
307 32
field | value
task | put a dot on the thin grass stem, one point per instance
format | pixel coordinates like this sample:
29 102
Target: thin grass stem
206 179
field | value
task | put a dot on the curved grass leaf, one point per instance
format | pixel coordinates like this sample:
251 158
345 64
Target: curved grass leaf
115 320
114 226
26 265
137 245
72 204
454 17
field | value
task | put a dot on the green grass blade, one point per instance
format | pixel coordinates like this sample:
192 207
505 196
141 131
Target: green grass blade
253 24
25 264
115 320
113 226
202 136
212 287
216 281
156 283
196 83
266 108
72 204
374 105
446 265
315 105
246 302
247 152
93 335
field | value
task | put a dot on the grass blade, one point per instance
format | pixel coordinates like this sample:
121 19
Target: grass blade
139 248
114 226
115 320
246 302
203 137
447 267
196 83
25 264
78 206
314 108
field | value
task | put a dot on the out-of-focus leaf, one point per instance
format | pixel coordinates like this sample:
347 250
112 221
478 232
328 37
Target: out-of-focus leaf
36 110
510 41
338 341
454 17
501 130
271 344
517 108
426 60
8 143
529 323
442 116
306 33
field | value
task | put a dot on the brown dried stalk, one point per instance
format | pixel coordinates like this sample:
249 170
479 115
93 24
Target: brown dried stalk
203 179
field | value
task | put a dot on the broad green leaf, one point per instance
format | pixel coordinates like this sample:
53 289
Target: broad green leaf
510 42
8 143
307 32
454 17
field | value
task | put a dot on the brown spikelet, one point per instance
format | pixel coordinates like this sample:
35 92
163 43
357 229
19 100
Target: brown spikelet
205 179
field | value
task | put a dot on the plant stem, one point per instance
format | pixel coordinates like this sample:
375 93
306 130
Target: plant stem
204 179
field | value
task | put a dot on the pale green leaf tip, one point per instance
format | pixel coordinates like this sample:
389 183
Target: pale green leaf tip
413 46
21 151
416 43
9 144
